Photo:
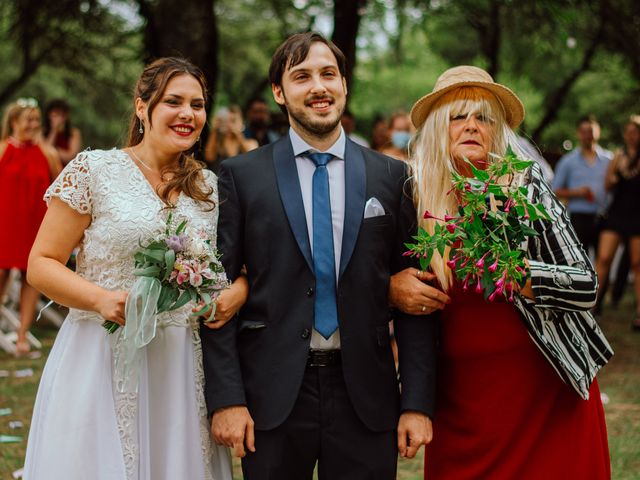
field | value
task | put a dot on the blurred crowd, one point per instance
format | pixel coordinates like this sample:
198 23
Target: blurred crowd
599 187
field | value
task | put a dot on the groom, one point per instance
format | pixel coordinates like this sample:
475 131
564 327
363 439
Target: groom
305 373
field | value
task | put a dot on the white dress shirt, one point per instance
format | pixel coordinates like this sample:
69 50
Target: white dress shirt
335 169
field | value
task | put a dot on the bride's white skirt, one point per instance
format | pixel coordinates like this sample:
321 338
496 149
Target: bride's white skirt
82 428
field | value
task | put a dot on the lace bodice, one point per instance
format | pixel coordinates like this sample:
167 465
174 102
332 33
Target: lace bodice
124 209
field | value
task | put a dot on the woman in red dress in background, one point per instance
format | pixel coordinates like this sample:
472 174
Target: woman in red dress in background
505 406
27 167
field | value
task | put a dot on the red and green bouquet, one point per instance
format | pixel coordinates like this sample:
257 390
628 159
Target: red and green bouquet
484 237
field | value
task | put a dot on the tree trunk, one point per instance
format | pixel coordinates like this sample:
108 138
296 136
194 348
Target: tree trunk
554 101
187 29
492 45
401 15
346 21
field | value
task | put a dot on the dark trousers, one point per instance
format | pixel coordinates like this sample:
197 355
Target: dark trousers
587 227
324 428
620 281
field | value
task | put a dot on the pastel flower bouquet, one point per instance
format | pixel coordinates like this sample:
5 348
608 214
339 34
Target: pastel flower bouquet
482 240
179 266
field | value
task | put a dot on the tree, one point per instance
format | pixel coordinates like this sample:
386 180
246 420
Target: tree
187 29
346 22
69 33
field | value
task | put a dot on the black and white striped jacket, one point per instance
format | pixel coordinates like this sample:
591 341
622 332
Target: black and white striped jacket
565 286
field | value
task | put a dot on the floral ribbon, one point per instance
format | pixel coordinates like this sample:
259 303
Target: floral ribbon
141 311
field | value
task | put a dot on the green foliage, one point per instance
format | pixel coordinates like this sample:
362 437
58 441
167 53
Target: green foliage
93 56
490 226
89 56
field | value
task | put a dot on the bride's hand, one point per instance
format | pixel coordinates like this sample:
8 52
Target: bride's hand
111 305
229 303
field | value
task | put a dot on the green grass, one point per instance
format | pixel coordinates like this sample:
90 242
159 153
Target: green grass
620 380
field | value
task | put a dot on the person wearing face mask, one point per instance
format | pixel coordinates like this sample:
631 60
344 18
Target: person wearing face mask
400 130
27 167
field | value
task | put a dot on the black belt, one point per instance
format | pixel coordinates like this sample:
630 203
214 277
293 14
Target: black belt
324 358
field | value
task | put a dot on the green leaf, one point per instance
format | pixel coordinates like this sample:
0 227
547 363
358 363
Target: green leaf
193 294
522 164
427 260
152 271
528 231
203 309
168 296
205 297
543 211
169 260
181 227
138 258
154 254
183 299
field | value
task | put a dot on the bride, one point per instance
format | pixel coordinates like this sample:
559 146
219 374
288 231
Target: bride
107 202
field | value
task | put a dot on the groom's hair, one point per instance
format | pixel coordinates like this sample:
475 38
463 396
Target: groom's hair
295 49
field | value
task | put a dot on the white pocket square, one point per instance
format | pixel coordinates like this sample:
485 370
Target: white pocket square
373 208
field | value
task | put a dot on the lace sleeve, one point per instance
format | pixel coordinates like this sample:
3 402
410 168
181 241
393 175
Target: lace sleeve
73 185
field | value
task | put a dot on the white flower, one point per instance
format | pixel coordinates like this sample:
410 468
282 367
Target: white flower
199 248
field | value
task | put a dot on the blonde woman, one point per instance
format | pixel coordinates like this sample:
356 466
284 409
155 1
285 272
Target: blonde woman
516 395
27 167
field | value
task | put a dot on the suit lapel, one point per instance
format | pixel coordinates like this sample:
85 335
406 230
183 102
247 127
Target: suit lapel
355 184
290 194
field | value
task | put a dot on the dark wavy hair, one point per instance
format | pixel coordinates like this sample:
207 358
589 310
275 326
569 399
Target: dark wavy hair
56 104
295 49
188 176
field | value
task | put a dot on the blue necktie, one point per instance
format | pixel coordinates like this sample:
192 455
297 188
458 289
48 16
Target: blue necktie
324 262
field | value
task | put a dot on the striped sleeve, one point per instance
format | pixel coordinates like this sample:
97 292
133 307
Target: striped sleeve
562 276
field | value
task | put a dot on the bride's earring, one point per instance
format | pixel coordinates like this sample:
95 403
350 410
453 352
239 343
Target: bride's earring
141 129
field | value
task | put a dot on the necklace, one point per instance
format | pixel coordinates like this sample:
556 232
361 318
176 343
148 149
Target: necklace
139 160
19 144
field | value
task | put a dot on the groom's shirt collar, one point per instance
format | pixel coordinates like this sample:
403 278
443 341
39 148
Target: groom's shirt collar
300 147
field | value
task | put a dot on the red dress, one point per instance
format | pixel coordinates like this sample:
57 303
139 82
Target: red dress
502 413
24 178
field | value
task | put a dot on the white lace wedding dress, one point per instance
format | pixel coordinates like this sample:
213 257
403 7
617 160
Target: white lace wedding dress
82 427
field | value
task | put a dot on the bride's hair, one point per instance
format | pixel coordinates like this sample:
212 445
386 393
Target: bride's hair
432 164
188 176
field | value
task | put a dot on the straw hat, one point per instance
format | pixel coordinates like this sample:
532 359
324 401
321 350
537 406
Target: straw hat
468 76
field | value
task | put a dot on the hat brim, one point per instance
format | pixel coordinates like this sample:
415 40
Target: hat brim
513 107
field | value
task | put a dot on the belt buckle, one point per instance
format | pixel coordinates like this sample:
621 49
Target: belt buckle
321 358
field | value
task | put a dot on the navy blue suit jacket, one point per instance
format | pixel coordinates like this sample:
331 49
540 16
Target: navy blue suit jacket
258 359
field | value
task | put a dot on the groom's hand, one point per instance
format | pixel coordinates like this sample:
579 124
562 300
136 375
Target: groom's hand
233 427
409 293
414 430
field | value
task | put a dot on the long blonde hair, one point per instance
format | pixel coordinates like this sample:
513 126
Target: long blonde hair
11 114
432 162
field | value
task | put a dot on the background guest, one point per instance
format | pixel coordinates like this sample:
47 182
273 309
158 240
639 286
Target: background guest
348 121
59 132
400 131
622 220
379 133
27 167
227 138
579 178
259 122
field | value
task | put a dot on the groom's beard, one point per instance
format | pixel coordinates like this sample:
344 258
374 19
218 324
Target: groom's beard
316 127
